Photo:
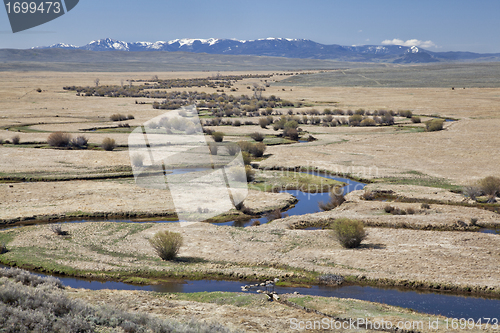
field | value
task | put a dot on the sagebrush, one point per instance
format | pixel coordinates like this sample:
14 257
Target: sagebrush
29 303
166 244
349 233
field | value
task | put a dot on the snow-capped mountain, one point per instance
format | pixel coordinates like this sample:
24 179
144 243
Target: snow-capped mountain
279 47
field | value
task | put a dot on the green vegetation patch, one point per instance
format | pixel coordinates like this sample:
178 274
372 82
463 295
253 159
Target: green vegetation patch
421 179
221 298
270 181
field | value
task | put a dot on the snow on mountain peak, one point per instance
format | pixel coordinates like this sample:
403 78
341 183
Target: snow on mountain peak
191 41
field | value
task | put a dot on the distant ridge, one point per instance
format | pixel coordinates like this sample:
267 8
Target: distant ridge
285 47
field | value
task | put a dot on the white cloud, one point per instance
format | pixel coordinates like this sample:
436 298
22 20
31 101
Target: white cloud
410 42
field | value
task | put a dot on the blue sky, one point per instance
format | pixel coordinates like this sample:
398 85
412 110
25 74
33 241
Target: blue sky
438 25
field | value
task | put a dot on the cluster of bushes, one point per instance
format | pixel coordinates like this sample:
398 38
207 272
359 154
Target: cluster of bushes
488 187
257 149
15 140
62 140
143 90
29 303
120 117
219 105
398 211
176 123
349 233
434 125
360 112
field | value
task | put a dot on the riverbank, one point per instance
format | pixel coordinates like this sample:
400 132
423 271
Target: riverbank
415 259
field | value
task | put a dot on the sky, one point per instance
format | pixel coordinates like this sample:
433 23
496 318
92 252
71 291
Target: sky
437 25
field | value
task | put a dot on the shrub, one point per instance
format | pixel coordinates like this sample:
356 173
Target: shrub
258 149
416 120
218 136
387 119
291 124
336 199
232 149
406 113
368 195
350 233
425 206
236 123
471 191
108 144
16 139
130 116
212 146
118 117
291 133
434 125
137 160
59 139
27 308
410 211
490 186
398 211
56 228
80 141
263 122
166 244
388 209
367 122
250 173
355 120
259 137
246 157
3 248
245 146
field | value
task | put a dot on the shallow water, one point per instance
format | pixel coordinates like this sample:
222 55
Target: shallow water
307 202
433 303
490 231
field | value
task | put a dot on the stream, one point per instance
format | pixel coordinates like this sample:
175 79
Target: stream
451 306
427 302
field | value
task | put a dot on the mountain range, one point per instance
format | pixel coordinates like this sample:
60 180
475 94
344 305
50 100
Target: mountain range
284 47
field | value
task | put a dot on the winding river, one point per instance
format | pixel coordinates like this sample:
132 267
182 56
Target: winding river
427 302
